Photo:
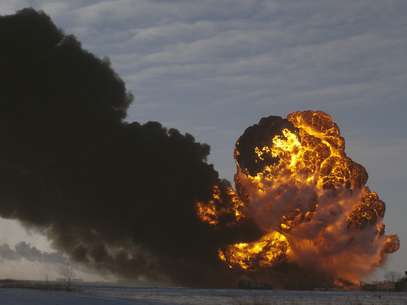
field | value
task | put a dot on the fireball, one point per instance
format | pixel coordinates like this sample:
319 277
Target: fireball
310 200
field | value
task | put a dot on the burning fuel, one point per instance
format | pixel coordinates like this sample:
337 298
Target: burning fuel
309 198
140 200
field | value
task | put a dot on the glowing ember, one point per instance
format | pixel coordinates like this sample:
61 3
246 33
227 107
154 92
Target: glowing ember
308 198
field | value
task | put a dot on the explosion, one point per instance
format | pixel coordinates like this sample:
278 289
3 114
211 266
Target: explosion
123 197
310 200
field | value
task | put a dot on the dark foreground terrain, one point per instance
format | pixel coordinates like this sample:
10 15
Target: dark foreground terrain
116 295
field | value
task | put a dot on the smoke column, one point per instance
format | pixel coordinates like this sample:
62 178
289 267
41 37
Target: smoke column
114 195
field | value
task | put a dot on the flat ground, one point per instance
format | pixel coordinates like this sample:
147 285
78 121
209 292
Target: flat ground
102 295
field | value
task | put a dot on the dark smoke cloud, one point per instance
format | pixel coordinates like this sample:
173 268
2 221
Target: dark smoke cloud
24 250
259 135
114 195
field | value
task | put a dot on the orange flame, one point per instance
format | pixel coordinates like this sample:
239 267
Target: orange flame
312 204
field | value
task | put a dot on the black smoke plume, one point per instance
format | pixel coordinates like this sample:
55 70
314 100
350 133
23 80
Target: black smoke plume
114 195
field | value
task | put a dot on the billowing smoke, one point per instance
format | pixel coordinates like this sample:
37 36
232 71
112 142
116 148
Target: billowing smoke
113 195
139 199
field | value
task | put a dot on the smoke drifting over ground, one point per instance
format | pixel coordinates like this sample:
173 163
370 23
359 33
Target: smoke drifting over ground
127 198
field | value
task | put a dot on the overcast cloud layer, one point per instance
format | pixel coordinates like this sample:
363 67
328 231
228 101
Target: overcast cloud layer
214 67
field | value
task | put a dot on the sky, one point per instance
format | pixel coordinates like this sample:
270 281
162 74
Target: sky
214 67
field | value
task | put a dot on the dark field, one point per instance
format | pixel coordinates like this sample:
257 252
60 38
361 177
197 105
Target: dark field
117 295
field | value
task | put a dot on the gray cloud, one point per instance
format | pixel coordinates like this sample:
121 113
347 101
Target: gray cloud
23 250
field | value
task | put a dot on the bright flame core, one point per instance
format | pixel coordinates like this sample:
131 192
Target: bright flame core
309 199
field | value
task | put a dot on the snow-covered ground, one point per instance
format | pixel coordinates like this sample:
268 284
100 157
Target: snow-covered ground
12 296
102 295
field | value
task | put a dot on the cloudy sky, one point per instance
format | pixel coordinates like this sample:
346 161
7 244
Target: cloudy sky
214 67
